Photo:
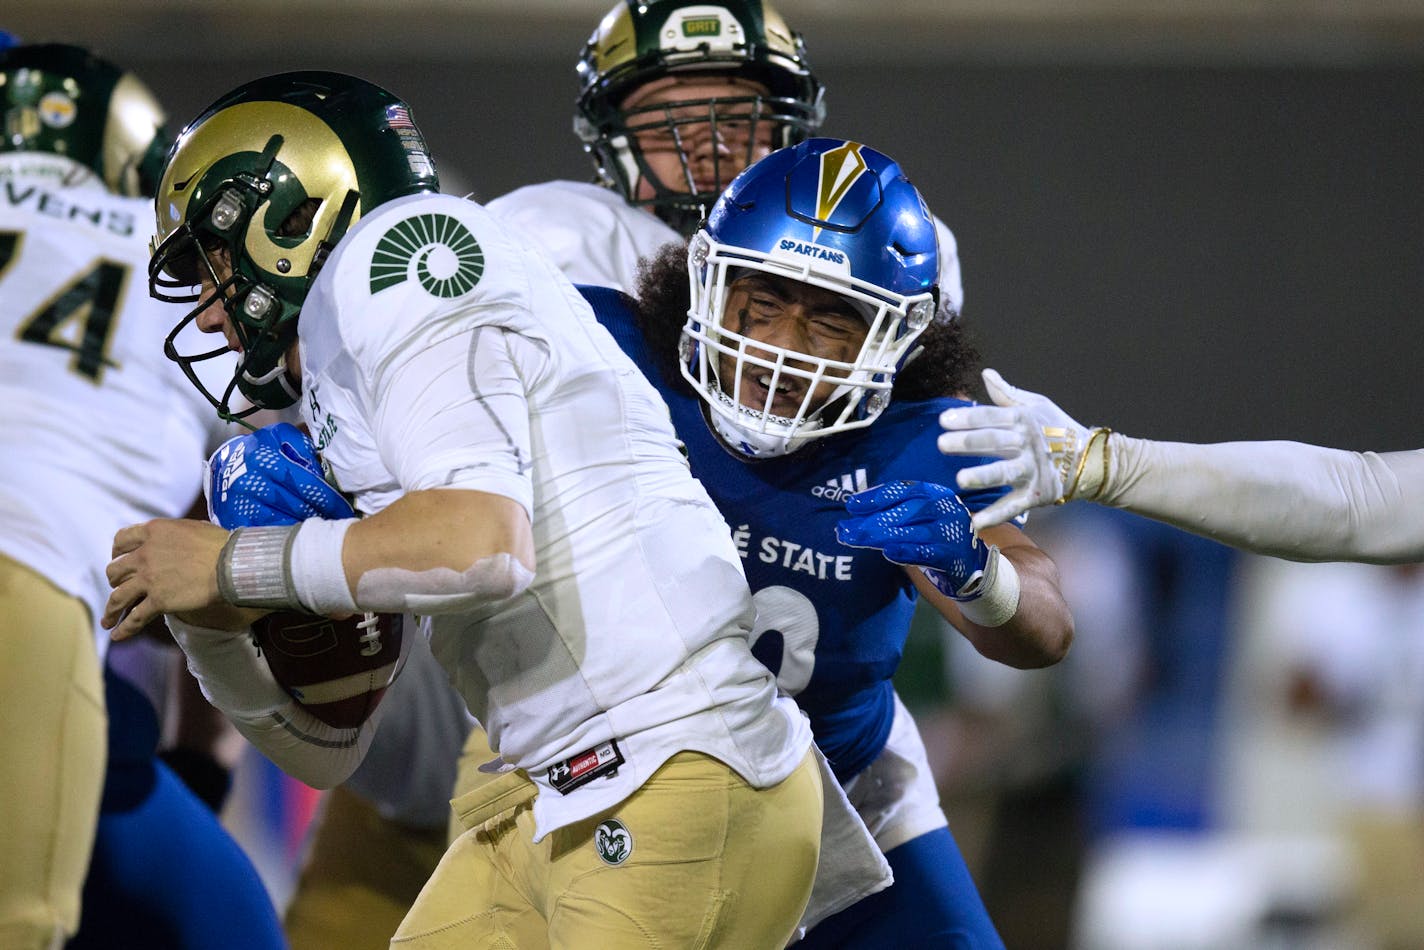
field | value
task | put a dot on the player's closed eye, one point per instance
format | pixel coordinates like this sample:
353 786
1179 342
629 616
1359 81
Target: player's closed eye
836 326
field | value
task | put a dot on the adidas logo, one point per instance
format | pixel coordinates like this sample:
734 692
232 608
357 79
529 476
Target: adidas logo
839 489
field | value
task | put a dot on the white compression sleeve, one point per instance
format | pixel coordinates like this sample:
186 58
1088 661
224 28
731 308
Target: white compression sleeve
236 680
1288 499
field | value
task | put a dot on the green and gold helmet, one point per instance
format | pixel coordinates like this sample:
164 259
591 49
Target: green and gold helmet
66 101
640 43
255 194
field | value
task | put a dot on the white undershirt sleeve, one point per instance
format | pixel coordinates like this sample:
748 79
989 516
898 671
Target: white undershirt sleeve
236 680
1287 499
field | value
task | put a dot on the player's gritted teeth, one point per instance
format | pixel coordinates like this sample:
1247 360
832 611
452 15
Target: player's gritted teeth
756 386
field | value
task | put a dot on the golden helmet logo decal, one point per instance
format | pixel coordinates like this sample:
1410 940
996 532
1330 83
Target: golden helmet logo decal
841 168
325 171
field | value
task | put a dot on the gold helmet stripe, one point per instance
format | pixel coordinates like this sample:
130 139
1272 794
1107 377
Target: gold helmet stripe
310 150
134 119
841 168
617 41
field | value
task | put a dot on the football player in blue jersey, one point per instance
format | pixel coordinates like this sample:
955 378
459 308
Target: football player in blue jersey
806 381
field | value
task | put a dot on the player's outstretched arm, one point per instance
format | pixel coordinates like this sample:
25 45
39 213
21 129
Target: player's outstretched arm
1287 499
1000 591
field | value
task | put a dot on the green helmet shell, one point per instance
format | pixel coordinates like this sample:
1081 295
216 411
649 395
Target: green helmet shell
66 101
273 174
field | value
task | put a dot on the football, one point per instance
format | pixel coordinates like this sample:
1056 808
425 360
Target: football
337 669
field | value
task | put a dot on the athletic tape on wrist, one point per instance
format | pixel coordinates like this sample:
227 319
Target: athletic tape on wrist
252 568
317 573
293 567
998 597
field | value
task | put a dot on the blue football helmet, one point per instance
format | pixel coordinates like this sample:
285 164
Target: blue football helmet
836 215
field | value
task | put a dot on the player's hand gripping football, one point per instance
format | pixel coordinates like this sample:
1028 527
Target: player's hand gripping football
273 477
1046 456
267 477
923 525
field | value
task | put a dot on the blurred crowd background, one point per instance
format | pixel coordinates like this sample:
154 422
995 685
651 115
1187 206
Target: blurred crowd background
1196 220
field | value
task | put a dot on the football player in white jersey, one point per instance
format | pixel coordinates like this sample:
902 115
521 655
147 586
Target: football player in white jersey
675 99
1287 499
98 431
522 491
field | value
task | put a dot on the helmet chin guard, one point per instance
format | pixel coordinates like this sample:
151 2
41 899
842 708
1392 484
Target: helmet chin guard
757 435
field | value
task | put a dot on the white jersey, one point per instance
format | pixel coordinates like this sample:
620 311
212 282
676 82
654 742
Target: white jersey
588 231
436 352
595 237
100 429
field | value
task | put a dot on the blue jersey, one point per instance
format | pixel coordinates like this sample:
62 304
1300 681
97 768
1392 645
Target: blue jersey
831 620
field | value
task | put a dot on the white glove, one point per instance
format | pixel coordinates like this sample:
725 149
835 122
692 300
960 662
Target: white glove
1045 453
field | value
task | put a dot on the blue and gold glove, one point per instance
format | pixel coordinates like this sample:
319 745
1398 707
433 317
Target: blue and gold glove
269 477
923 525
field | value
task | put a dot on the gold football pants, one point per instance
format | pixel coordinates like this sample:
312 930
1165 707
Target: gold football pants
361 875
53 734
696 858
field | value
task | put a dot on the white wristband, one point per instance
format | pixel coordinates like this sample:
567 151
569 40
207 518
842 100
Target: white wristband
998 598
317 575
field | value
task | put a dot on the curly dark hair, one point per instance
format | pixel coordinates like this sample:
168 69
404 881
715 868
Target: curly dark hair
947 364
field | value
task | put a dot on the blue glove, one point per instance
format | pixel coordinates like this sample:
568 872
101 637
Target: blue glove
919 524
269 477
